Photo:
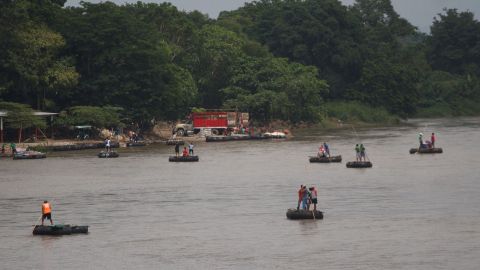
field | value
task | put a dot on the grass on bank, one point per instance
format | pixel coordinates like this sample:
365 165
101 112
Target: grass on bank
358 113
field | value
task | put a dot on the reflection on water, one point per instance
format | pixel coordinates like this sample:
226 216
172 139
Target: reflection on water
228 210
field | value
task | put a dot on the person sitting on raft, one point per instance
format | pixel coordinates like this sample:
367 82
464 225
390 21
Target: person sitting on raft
47 212
321 151
185 152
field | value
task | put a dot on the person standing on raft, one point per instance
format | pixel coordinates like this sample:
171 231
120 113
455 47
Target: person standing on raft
432 140
190 149
313 197
420 139
177 149
300 197
47 212
107 145
362 152
327 149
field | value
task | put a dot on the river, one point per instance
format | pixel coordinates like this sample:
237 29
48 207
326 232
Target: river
228 210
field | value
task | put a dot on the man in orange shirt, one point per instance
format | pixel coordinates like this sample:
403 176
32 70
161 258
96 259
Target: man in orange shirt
46 212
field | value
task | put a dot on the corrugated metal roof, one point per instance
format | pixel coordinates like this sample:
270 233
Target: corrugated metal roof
5 114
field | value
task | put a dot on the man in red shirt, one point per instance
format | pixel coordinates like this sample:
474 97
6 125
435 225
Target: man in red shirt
432 139
300 196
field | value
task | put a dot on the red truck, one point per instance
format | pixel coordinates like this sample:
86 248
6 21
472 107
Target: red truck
217 122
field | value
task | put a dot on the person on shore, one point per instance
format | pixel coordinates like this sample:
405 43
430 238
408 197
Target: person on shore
362 152
190 149
327 149
108 144
313 197
300 197
432 140
177 149
420 139
185 152
47 212
357 151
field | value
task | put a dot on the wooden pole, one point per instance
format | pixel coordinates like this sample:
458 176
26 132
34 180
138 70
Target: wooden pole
20 134
1 129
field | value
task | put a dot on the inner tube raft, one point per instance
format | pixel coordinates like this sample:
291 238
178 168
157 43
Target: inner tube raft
29 155
111 154
174 142
359 164
426 150
325 159
134 144
303 214
183 159
59 229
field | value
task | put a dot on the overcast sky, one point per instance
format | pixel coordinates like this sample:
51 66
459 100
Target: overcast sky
419 12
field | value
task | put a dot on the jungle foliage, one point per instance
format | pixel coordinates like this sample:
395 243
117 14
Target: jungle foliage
277 59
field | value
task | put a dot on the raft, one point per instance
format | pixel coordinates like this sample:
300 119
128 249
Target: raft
326 159
359 164
104 154
303 214
59 229
183 159
236 137
174 142
29 155
135 144
426 150
74 147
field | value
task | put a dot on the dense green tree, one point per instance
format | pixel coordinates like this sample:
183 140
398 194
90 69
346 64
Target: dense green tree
454 45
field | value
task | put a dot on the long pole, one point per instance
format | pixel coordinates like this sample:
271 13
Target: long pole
1 129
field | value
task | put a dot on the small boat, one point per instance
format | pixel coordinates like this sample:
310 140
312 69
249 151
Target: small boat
59 229
183 159
326 159
29 155
135 144
275 135
359 164
174 142
426 150
304 214
110 154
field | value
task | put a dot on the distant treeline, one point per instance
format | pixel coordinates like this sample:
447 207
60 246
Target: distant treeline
277 59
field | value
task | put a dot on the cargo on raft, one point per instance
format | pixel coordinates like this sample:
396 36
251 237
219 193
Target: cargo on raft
359 164
183 159
326 159
426 150
59 229
111 154
304 214
29 155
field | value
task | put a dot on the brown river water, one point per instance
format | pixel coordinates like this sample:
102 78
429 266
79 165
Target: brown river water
228 210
